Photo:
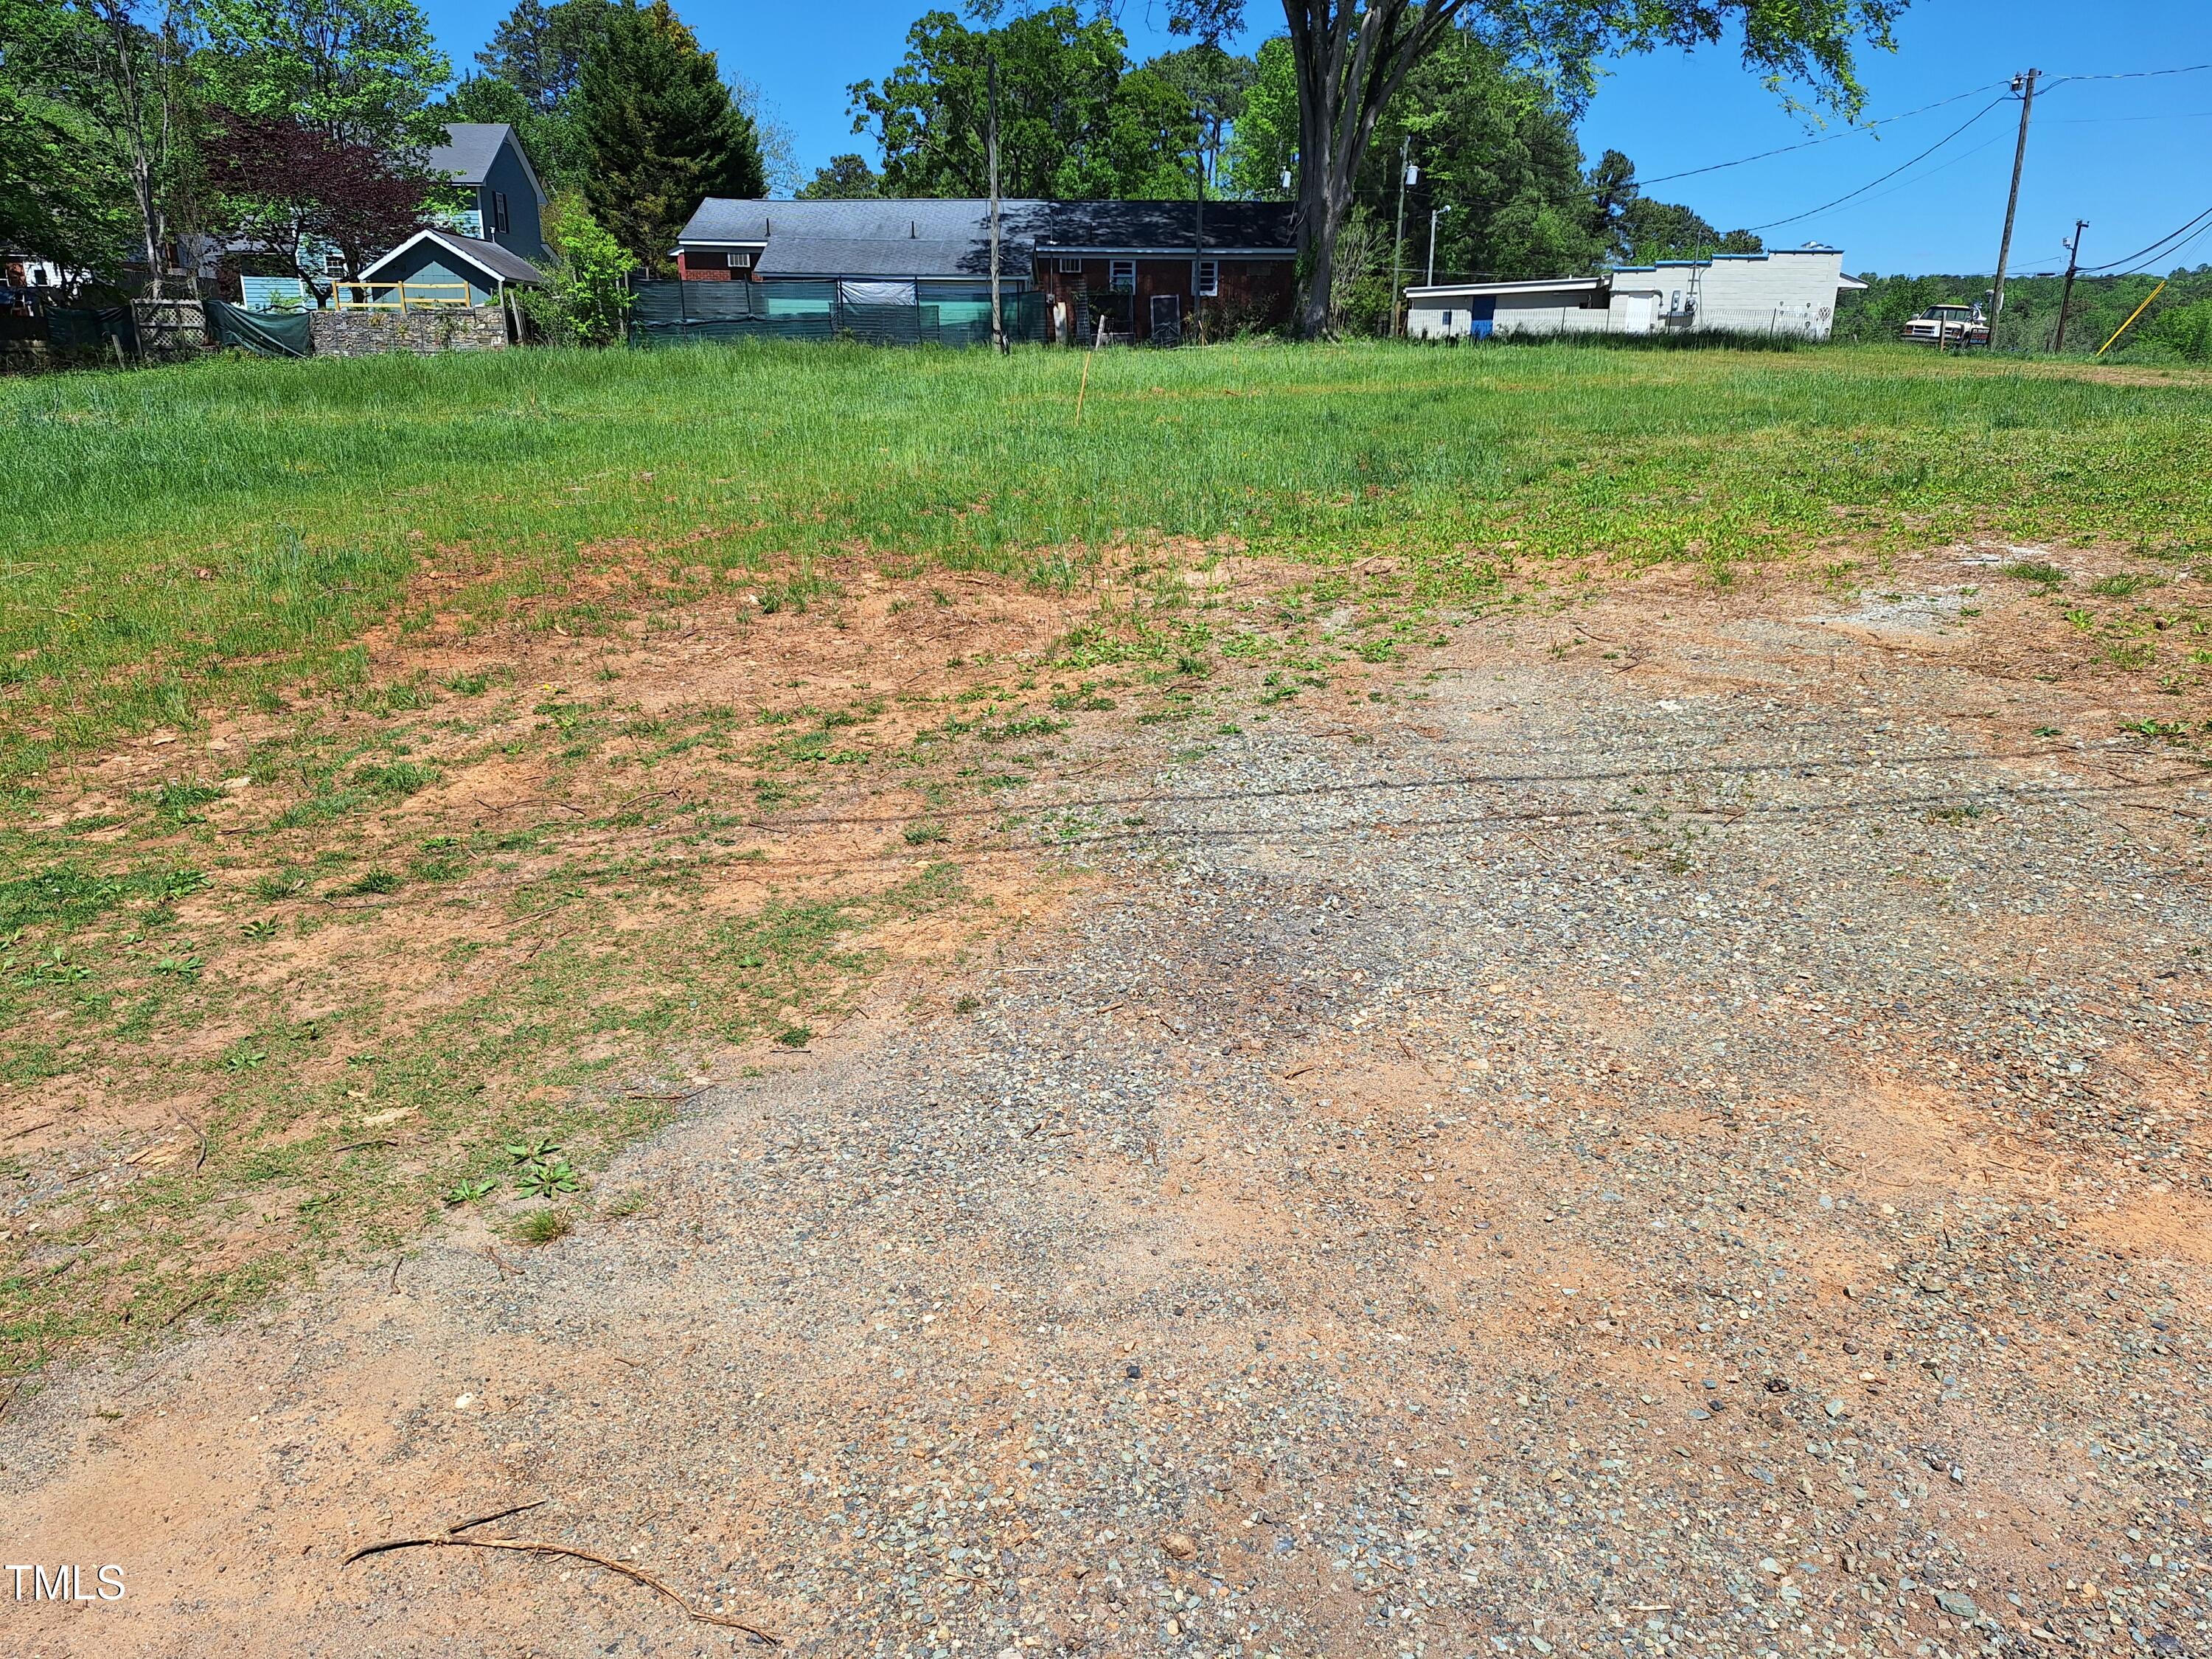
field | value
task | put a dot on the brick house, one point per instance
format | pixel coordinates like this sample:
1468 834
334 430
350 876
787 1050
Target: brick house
1144 269
1147 269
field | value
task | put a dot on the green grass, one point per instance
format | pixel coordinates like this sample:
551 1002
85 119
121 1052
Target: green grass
220 532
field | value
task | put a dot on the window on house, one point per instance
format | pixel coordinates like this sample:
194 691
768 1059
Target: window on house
1071 267
741 261
1209 277
334 264
1121 275
499 210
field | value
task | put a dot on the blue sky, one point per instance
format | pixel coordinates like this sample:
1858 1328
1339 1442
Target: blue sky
2124 153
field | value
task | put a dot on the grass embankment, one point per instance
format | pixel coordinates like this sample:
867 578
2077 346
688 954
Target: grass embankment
402 756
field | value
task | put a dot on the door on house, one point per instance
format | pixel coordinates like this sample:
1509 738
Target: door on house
1167 319
1482 315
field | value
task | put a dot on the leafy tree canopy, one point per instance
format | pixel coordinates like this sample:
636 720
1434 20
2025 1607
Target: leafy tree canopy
62 192
539 50
847 178
1350 59
360 71
289 189
1074 121
586 300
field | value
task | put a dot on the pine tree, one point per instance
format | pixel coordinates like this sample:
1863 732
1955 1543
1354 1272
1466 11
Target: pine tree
661 129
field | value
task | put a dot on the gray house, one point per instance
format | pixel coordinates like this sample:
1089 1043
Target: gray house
486 160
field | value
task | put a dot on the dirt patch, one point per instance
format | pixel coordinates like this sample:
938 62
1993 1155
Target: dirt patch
1579 1141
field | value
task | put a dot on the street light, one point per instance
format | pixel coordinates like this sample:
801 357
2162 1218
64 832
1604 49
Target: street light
1434 214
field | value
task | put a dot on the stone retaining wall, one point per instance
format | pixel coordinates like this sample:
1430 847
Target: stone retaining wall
362 333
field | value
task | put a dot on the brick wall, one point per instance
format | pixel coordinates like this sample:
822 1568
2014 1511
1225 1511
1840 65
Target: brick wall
364 333
1254 292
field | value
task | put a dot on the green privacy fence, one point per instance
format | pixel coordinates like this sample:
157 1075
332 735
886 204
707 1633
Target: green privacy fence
679 313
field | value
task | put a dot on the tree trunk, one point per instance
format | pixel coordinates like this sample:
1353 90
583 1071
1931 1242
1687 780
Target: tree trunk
1351 59
144 188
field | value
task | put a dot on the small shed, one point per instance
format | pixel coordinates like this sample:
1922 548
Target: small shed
441 268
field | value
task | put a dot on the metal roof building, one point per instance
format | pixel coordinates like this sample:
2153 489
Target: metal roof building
1782 291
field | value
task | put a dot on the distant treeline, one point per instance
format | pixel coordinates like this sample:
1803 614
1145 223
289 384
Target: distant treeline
2178 327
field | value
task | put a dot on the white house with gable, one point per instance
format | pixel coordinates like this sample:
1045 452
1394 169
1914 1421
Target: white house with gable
1782 291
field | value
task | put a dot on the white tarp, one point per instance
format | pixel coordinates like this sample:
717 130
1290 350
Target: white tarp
876 293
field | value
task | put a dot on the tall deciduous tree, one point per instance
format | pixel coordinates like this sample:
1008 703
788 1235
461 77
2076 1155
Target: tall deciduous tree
360 71
661 129
539 50
1351 57
94 97
1497 155
847 178
1074 121
61 166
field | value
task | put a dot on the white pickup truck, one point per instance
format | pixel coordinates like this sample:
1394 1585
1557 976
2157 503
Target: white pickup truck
1950 326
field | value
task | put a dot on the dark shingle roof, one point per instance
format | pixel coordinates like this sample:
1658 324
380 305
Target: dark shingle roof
1126 226
950 236
470 148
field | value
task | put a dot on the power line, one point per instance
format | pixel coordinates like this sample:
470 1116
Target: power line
1940 166
2106 120
1829 139
1867 126
1773 223
2133 75
2152 250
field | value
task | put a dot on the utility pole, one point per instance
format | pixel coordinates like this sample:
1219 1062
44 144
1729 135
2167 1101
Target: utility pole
1198 262
1405 176
2024 85
991 157
1435 212
2066 294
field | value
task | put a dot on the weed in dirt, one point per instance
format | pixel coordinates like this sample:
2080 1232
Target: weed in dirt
2041 572
544 1226
2123 584
546 1177
179 803
621 1206
925 833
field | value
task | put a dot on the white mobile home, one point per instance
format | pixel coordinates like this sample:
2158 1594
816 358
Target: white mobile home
1784 291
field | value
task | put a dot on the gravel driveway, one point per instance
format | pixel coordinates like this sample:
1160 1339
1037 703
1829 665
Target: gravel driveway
1684 1145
